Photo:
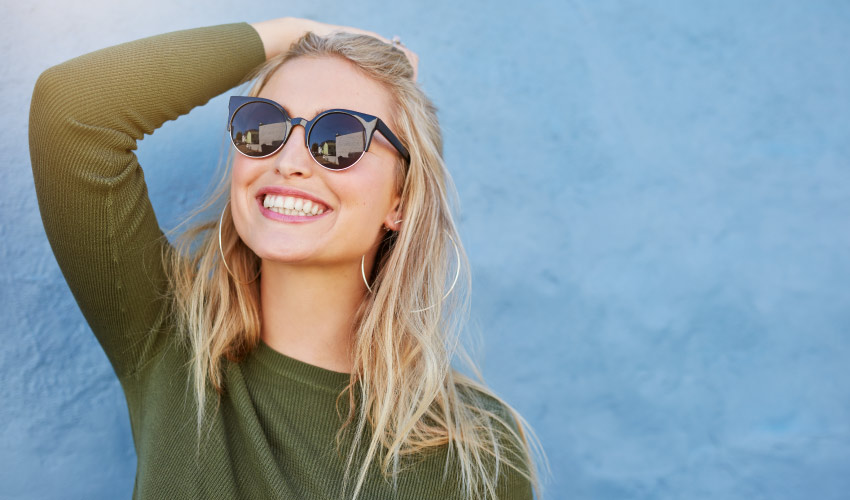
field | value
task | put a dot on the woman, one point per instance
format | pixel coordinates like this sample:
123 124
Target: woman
314 321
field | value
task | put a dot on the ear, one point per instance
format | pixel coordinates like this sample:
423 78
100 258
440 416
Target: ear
393 220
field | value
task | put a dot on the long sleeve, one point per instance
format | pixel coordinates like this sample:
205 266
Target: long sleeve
86 116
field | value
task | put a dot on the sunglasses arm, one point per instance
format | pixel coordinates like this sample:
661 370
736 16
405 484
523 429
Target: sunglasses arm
385 131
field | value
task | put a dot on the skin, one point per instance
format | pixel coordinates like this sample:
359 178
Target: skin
311 283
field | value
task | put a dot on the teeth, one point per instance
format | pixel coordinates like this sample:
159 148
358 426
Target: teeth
287 211
289 205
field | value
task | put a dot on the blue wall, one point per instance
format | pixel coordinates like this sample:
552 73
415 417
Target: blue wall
657 219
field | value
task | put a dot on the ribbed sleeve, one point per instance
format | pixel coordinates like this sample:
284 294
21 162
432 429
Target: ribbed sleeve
85 119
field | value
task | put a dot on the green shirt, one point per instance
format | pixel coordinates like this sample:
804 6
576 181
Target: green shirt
273 434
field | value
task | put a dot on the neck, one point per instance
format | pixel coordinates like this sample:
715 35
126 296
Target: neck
307 312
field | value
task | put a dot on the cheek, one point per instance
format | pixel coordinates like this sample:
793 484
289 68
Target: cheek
242 173
244 179
371 195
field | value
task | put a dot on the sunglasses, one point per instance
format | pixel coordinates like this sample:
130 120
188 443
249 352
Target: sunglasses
336 138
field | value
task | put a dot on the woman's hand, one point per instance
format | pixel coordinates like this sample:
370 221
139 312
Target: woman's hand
278 34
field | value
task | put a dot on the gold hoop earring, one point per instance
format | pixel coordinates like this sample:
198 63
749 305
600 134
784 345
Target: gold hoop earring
221 251
454 282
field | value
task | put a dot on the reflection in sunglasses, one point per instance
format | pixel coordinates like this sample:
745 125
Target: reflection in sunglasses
261 140
344 149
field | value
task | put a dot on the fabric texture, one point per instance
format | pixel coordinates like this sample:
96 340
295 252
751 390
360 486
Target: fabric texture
273 432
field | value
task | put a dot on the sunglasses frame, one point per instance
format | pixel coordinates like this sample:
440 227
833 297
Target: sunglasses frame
370 124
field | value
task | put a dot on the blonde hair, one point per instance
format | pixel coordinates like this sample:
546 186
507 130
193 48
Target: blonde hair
410 398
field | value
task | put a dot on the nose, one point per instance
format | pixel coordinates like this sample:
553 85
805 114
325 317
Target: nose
294 159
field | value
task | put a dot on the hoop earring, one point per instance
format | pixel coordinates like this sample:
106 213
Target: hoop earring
221 251
454 282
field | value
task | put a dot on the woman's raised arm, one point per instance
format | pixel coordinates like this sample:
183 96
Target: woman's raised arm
85 119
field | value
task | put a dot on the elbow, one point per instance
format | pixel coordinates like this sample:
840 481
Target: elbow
49 119
46 104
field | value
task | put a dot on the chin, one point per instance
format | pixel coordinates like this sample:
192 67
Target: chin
281 251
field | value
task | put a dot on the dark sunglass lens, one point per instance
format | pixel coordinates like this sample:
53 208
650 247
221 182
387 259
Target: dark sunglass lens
337 140
257 129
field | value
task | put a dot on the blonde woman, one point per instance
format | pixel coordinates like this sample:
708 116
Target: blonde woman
300 344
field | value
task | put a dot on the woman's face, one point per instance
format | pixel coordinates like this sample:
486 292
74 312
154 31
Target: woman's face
356 202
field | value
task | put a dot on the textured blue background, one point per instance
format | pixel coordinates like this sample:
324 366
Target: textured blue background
657 219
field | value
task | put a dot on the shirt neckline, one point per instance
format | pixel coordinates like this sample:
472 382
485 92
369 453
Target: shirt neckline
302 371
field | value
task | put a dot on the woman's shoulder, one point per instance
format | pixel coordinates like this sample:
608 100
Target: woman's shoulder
496 415
477 396
506 438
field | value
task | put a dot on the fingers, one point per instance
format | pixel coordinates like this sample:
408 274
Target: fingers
411 56
414 61
324 29
396 42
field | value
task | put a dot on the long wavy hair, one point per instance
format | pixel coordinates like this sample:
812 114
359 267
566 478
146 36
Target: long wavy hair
403 390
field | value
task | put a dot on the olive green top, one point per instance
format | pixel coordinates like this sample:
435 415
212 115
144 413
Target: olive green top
273 434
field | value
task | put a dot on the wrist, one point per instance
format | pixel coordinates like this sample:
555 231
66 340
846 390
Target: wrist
277 34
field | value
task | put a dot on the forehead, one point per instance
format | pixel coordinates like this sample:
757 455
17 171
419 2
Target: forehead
306 86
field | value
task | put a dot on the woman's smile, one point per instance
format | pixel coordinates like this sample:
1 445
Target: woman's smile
291 205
